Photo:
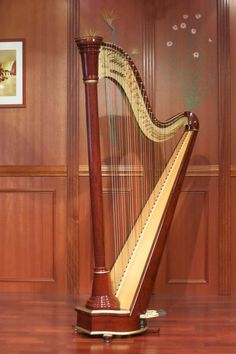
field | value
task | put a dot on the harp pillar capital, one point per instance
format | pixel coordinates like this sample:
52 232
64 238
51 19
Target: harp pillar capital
89 48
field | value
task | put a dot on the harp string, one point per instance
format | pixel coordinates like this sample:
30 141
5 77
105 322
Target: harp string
151 152
113 113
122 159
111 138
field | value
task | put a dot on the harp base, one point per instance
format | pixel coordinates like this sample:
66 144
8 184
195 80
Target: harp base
108 323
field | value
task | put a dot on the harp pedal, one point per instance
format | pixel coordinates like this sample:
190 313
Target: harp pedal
152 314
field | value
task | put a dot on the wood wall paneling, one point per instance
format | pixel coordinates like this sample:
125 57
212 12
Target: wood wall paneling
33 229
44 154
224 141
27 253
190 237
73 150
232 24
186 82
189 262
33 160
233 240
85 238
39 129
233 142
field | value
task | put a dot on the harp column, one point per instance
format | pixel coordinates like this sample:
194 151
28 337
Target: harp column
102 295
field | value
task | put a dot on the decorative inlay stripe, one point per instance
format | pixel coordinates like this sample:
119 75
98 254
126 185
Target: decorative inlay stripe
137 170
107 170
203 171
32 171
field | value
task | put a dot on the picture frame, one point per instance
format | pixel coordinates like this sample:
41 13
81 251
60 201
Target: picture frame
12 73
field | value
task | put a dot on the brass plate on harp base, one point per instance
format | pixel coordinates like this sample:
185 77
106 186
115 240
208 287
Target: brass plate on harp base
108 323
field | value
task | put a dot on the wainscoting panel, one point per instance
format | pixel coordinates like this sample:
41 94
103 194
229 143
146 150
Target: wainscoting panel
188 240
33 152
188 263
233 238
33 252
27 250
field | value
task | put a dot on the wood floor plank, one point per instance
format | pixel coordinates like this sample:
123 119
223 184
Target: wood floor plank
32 324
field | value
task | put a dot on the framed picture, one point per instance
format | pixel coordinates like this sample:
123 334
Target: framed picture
11 73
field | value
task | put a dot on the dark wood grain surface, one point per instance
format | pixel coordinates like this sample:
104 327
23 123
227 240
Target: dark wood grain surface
35 324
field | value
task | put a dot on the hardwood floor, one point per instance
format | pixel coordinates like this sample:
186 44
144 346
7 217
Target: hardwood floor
39 324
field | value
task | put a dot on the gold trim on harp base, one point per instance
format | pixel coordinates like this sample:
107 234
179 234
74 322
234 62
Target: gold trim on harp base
110 333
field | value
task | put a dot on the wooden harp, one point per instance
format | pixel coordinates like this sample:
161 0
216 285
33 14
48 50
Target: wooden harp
120 295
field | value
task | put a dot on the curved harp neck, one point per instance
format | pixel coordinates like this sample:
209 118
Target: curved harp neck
116 65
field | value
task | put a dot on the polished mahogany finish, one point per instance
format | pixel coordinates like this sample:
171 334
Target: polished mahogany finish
89 49
116 322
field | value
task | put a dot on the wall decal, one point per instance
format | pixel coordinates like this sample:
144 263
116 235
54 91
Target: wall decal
187 58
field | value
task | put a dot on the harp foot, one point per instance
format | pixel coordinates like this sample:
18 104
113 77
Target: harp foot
107 338
152 314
